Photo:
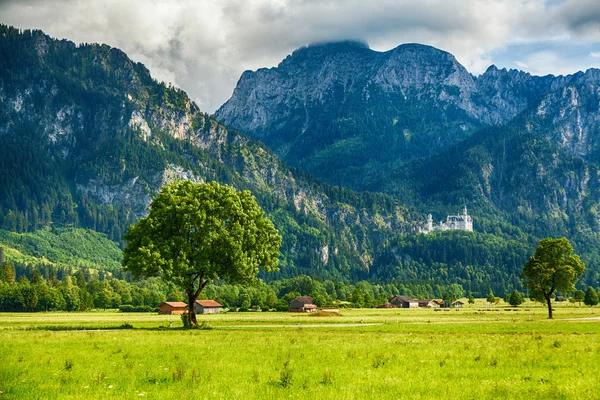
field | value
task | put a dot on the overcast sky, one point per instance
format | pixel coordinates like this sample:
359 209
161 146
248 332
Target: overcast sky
203 46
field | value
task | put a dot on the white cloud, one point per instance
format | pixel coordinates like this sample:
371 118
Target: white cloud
595 54
522 65
204 46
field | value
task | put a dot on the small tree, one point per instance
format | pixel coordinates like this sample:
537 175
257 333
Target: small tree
197 233
490 297
591 297
516 298
578 296
7 273
471 300
554 266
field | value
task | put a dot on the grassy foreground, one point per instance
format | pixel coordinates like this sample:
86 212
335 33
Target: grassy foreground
362 354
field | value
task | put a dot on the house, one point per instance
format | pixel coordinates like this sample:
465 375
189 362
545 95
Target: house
207 307
457 304
404 302
302 304
172 307
428 303
561 298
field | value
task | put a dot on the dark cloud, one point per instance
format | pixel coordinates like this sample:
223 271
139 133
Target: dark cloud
204 46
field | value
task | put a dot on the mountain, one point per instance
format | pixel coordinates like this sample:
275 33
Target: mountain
344 113
522 151
87 137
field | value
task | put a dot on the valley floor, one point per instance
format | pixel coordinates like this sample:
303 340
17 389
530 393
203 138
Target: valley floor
363 354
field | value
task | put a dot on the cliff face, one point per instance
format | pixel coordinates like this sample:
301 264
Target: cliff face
344 112
88 138
341 104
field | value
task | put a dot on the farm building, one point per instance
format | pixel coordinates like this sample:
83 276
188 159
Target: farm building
457 304
207 307
385 305
404 302
302 304
172 307
429 303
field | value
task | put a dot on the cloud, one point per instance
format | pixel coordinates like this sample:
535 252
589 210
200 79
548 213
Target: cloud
522 65
204 46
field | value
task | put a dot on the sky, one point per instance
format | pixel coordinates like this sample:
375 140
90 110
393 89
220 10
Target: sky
203 46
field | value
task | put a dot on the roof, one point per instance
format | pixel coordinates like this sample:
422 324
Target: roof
457 302
177 304
208 303
426 301
303 299
404 299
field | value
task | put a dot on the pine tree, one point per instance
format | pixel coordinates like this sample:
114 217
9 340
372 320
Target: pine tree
8 274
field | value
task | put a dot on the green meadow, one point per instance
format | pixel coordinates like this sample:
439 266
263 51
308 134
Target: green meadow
360 354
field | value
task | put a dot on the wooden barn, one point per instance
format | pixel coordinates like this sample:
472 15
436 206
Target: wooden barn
303 304
457 304
207 307
429 303
172 307
404 302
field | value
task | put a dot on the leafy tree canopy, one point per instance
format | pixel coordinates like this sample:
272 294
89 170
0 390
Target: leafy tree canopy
554 266
197 233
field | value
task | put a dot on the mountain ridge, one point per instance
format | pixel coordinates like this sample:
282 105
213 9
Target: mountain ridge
89 137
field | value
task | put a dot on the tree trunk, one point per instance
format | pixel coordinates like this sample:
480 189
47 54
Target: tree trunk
191 310
549 306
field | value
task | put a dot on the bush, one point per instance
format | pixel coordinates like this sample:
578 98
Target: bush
516 298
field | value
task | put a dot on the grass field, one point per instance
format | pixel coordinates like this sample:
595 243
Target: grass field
362 354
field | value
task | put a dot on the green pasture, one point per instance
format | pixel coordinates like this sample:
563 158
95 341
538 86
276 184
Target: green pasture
362 354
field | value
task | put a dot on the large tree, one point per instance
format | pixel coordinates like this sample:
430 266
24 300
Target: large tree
554 266
197 233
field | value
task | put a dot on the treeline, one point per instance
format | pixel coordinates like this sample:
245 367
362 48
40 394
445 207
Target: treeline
46 288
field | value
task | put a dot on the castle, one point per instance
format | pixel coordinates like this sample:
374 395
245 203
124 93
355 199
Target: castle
462 222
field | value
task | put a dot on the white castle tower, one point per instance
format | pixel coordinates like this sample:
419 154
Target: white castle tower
429 226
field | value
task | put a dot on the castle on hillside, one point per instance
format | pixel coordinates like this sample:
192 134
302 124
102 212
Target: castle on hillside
462 222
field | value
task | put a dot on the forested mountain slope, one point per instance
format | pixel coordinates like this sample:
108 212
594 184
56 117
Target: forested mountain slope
88 137
538 173
521 151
